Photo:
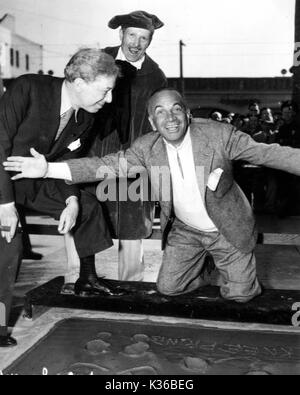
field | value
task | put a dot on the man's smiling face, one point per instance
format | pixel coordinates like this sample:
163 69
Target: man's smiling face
134 43
168 115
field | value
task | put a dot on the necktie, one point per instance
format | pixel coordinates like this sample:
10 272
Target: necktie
64 119
180 165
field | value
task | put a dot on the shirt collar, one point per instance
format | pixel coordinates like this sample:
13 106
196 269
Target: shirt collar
65 99
138 65
186 141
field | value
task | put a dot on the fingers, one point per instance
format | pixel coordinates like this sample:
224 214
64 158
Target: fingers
62 223
17 177
66 224
35 154
9 235
18 159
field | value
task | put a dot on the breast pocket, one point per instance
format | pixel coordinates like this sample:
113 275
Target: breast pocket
225 184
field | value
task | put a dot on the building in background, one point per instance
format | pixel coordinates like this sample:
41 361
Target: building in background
18 55
234 94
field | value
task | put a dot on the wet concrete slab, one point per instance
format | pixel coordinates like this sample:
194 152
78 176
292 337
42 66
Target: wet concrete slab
273 307
121 347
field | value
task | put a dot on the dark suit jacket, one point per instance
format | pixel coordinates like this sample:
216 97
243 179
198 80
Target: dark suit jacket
215 146
128 111
30 117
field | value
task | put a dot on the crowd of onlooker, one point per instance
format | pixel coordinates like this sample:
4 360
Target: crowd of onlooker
269 191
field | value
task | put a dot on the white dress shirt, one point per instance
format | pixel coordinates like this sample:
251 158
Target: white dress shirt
138 65
66 104
188 203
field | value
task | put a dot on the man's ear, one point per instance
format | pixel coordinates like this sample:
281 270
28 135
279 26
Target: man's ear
189 116
78 84
152 123
121 34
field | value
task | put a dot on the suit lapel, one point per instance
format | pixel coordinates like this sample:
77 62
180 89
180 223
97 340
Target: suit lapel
72 132
203 156
49 112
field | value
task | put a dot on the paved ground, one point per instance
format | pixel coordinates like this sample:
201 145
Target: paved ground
278 267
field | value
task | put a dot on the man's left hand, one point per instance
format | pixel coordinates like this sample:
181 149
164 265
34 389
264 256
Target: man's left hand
69 216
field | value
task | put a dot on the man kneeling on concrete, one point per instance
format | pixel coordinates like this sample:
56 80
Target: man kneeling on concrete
207 211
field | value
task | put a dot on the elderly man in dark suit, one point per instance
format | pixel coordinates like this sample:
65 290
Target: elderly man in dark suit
55 116
203 209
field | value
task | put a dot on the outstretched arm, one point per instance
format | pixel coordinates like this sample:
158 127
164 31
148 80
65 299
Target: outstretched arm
77 171
36 167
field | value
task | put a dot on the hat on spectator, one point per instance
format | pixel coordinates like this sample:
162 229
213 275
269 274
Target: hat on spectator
139 19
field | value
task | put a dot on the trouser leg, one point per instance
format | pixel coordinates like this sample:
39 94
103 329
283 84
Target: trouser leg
73 260
10 258
91 234
237 270
184 258
182 264
131 260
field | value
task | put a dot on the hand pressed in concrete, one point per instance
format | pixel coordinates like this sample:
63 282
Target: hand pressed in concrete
196 364
137 349
98 347
141 338
105 336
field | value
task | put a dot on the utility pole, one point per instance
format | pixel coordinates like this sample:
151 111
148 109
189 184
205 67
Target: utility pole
181 45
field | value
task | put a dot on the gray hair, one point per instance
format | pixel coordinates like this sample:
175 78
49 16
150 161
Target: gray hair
89 63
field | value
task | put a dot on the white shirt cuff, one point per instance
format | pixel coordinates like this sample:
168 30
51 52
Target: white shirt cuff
8 205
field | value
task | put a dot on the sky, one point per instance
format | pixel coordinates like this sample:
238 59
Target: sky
224 38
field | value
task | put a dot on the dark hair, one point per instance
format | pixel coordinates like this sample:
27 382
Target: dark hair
253 103
290 104
89 63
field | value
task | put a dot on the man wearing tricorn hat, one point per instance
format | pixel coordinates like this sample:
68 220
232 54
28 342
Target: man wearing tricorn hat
122 122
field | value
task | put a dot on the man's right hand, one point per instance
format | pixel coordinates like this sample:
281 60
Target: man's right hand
8 218
35 167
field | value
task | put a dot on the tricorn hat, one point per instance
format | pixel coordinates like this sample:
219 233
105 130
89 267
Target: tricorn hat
140 19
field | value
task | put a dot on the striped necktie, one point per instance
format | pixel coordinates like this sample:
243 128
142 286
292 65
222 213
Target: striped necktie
64 119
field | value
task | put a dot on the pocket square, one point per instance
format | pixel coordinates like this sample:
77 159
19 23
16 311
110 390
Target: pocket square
75 145
214 179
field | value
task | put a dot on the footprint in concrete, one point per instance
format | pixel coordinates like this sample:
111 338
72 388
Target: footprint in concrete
141 338
196 365
136 350
98 347
105 336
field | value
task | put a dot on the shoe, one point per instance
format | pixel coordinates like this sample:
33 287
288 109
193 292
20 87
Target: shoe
96 287
32 256
68 289
7 341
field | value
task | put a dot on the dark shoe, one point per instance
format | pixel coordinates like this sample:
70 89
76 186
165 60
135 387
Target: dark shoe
7 341
96 287
32 256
